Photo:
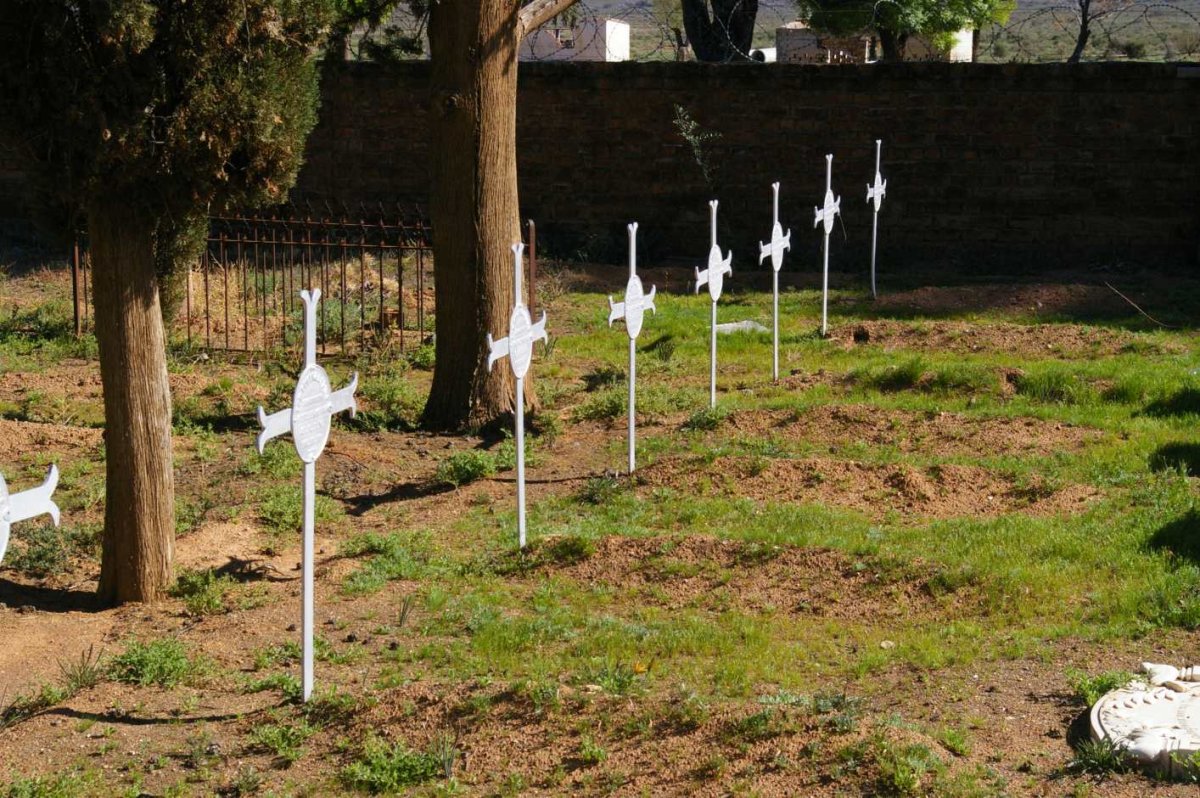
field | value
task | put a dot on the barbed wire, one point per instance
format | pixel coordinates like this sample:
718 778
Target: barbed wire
1037 32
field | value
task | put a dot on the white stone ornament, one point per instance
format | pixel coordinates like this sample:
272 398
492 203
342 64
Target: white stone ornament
15 507
824 216
1156 722
314 404
714 278
633 311
517 346
875 194
775 249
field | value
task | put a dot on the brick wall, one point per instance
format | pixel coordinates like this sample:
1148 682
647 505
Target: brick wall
989 166
1021 167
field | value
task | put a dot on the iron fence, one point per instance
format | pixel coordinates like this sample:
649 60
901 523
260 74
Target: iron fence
372 265
374 268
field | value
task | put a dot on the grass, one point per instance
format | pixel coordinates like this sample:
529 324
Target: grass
164 662
605 643
381 767
1090 689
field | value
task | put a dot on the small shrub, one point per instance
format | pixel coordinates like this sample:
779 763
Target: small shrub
83 673
284 740
463 468
392 404
600 490
707 419
762 725
1091 689
162 662
890 379
203 592
1098 758
48 550
590 752
72 784
616 678
423 357
281 509
954 741
381 767
687 711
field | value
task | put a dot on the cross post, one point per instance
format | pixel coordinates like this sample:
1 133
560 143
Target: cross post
632 310
824 216
517 346
309 419
775 248
875 195
714 276
27 504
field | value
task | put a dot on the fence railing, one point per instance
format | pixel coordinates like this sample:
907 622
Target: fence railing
374 268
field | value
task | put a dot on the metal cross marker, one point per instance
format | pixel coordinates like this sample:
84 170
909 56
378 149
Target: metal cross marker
833 206
714 277
308 420
518 347
633 310
27 504
875 193
779 242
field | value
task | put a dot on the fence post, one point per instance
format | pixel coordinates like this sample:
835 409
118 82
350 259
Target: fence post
75 287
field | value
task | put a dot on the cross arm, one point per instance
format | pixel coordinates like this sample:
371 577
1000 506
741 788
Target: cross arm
497 350
273 425
701 278
648 300
616 310
538 331
344 399
36 501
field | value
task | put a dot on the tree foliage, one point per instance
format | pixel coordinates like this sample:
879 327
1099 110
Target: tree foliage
166 106
896 20
720 30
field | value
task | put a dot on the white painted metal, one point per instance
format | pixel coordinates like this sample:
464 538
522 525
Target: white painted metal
714 276
633 310
308 420
775 248
518 347
824 215
875 195
25 505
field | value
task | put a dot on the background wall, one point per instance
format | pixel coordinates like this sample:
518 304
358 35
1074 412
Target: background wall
1012 167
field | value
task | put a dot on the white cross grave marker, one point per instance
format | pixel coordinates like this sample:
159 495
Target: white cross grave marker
633 310
875 194
833 206
518 347
714 277
775 248
314 404
27 504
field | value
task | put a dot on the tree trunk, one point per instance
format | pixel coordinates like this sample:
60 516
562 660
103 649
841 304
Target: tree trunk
892 44
473 204
1085 19
139 509
725 35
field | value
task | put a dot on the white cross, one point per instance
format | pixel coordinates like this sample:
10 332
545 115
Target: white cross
875 194
27 504
518 347
833 206
308 420
775 248
633 310
714 277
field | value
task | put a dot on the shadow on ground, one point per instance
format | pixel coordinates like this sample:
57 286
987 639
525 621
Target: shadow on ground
1181 537
1183 457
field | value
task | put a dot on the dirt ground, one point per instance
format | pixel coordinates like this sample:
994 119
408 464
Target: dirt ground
1022 716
